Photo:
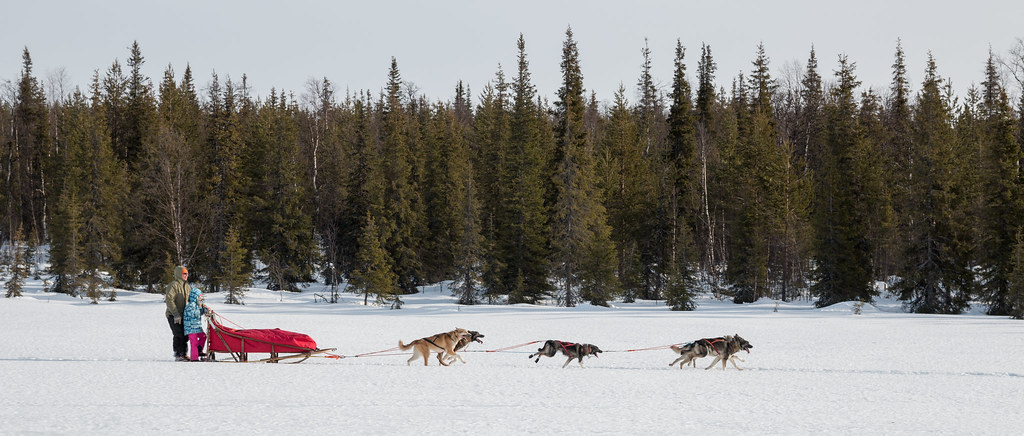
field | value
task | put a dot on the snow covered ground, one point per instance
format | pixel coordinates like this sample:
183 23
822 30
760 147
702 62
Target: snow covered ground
69 367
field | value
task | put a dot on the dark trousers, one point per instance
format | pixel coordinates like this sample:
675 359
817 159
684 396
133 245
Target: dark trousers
178 330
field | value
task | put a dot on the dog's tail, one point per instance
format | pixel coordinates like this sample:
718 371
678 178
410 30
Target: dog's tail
403 346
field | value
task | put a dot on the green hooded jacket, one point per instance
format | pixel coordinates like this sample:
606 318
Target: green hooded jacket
176 294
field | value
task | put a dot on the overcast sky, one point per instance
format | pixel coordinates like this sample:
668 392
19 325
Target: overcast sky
284 44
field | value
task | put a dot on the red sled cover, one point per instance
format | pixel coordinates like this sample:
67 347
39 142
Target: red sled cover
228 340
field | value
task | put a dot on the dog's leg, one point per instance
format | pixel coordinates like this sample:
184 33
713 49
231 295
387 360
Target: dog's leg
569 360
733 360
674 362
425 352
717 358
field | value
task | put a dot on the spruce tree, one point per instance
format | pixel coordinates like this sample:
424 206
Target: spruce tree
222 187
841 247
29 148
397 221
470 251
521 240
234 268
681 139
897 151
283 229
1002 201
584 254
19 265
66 244
682 159
140 108
708 159
1015 296
936 277
365 183
758 223
628 182
89 212
705 86
661 241
447 162
491 128
811 123
372 274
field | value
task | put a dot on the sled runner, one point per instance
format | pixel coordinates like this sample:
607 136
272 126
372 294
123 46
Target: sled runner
281 345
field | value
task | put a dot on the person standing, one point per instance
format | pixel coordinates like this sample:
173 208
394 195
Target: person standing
194 311
175 297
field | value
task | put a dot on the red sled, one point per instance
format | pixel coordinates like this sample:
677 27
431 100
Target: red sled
281 345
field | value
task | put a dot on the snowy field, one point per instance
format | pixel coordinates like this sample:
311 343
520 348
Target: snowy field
69 367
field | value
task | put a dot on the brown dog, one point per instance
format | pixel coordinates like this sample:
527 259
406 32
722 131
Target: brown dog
443 342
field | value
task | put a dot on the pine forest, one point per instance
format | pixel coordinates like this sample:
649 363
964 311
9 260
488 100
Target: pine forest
813 187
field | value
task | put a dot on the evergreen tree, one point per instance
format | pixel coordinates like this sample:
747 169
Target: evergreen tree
90 211
222 187
19 265
841 247
679 292
444 180
26 154
470 251
234 268
584 253
628 182
1002 201
364 185
707 128
66 244
140 108
897 152
283 229
1015 296
759 215
811 121
661 241
325 160
682 145
398 219
705 86
170 212
490 141
372 274
521 218
936 277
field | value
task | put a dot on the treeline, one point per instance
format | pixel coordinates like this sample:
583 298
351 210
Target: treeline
803 190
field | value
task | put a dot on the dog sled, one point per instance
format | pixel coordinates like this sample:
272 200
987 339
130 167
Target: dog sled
280 345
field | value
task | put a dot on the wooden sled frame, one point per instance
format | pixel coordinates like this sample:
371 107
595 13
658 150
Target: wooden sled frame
275 357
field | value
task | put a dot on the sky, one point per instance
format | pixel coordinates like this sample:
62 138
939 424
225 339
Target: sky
284 45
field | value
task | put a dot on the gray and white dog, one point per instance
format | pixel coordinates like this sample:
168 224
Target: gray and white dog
724 348
574 351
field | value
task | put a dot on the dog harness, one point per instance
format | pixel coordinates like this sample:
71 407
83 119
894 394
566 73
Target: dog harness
585 348
711 344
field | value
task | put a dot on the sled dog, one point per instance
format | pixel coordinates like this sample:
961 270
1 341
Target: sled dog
474 336
724 348
444 343
574 351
